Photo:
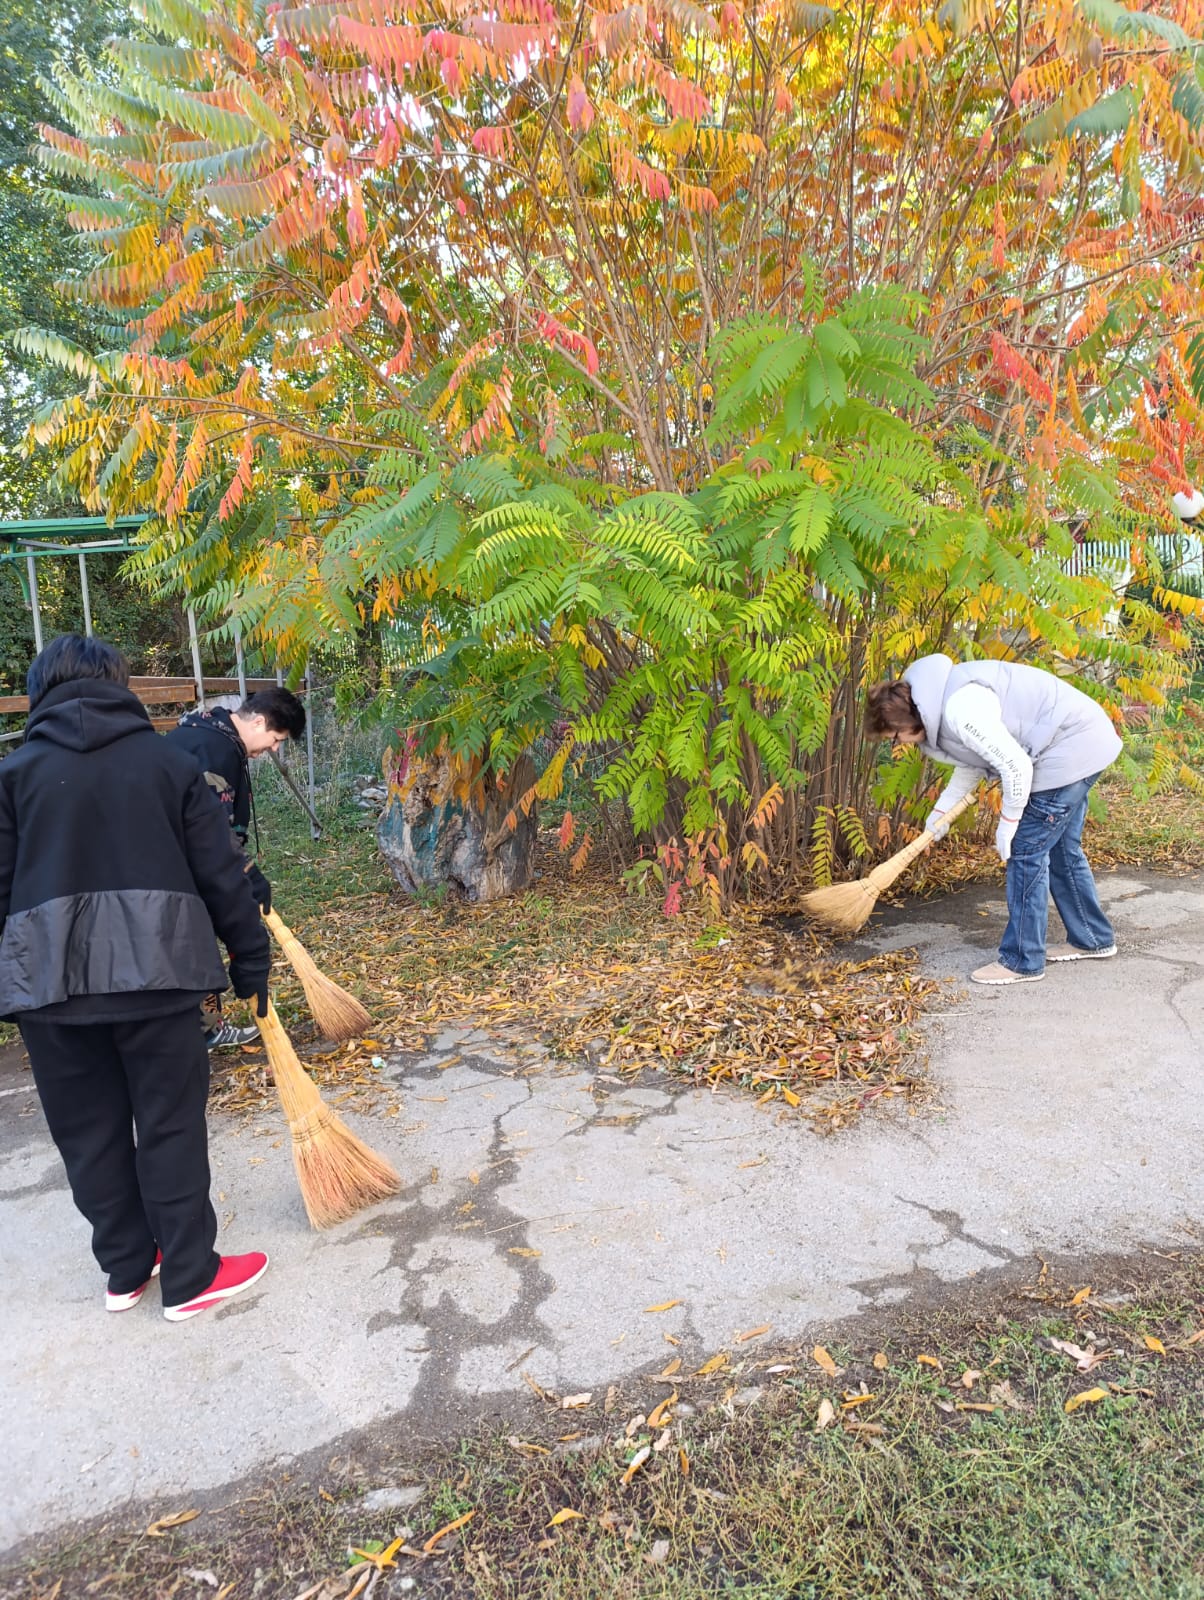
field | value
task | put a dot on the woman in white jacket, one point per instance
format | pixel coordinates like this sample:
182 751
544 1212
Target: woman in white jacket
1047 743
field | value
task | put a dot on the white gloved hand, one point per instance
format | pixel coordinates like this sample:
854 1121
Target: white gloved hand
937 825
1004 834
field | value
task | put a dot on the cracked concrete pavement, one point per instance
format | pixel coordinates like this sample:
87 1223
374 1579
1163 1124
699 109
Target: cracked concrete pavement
546 1206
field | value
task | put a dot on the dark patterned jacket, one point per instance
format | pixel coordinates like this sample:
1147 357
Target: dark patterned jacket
212 740
118 872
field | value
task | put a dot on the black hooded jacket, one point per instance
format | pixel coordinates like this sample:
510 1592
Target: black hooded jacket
117 867
212 740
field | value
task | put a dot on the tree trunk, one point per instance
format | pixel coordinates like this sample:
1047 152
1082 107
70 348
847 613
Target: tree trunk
431 838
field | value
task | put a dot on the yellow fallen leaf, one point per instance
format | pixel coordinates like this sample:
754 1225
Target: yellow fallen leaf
684 1462
674 1366
713 1365
821 1357
1194 1338
880 1362
790 1097
161 1524
636 1462
1081 1296
658 1415
874 1429
449 1527
666 1305
975 1405
567 1515
856 1400
474 1177
381 1558
754 1333
523 1250
930 1361
1156 1345
1086 1397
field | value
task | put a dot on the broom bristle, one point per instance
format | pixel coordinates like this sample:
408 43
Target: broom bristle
338 1014
338 1174
845 907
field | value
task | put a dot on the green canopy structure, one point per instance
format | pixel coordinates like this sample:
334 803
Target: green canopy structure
24 543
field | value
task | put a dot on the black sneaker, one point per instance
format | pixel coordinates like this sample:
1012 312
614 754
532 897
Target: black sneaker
228 1037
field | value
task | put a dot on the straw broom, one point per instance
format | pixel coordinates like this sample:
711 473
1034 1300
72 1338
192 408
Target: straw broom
338 1014
846 907
337 1172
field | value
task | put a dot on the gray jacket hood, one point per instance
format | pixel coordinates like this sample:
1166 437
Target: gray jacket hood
927 679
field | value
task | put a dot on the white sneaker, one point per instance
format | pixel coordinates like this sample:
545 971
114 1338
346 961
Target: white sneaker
997 973
1071 952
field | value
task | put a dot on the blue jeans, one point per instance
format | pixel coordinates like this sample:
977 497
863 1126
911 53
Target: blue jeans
1047 858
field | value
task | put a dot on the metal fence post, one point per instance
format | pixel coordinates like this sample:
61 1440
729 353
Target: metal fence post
35 603
314 829
240 660
83 589
198 675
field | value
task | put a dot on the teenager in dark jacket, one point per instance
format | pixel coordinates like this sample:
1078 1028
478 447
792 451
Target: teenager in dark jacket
224 743
117 877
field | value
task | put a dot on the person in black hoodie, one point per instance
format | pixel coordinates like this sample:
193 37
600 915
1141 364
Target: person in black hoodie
118 874
223 743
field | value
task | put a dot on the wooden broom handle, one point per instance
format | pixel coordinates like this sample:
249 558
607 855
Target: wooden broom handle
917 847
284 936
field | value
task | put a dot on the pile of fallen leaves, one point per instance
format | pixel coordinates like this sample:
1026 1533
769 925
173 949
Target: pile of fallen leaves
603 975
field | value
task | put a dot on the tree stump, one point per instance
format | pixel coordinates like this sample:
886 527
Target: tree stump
431 838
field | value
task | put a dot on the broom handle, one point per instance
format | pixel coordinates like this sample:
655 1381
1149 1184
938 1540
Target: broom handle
285 937
904 858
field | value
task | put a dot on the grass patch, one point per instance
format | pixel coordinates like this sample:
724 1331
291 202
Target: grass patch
949 1467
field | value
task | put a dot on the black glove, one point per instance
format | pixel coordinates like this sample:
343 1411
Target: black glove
260 888
250 980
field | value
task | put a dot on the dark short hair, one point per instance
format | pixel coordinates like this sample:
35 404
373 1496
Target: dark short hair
279 708
889 709
71 657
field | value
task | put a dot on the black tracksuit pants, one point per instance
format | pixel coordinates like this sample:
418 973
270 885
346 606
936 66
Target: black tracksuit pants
102 1083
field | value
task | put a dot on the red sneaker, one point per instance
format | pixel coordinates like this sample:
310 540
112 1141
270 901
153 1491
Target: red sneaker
123 1302
235 1274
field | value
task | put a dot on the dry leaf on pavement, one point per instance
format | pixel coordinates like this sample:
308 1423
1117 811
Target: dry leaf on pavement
713 1365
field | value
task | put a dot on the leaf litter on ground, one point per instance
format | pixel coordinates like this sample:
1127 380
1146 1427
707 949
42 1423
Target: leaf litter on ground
597 974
